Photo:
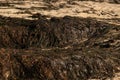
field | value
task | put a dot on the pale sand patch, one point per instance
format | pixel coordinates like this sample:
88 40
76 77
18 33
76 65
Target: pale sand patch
8 11
79 9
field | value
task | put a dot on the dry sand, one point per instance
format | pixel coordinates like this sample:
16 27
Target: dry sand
79 9
24 9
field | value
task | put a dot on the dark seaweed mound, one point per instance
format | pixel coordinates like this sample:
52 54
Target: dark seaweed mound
67 48
43 33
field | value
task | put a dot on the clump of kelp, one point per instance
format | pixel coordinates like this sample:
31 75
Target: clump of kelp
67 48
44 33
57 64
